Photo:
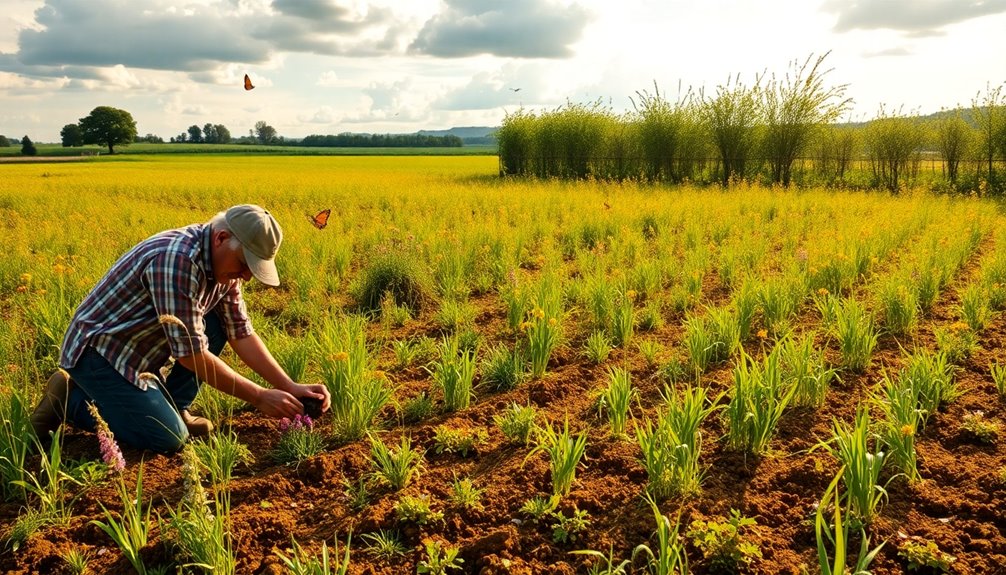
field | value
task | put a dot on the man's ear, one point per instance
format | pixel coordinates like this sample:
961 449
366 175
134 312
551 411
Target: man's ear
220 237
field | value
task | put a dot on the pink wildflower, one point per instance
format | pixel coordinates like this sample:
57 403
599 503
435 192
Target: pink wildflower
110 452
298 423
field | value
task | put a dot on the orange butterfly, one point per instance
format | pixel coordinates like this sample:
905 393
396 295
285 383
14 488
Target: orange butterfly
320 220
248 84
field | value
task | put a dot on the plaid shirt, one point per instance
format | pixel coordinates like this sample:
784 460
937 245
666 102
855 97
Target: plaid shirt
170 273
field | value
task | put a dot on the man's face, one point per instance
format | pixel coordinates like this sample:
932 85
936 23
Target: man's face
228 264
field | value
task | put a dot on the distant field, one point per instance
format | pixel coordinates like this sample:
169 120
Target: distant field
715 349
133 149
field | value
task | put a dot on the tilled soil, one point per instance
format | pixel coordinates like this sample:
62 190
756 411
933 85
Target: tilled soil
958 505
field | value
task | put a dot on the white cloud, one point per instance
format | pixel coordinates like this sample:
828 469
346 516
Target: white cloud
916 17
510 85
17 15
110 32
387 97
385 103
516 28
118 77
13 84
328 79
896 51
19 119
323 115
202 38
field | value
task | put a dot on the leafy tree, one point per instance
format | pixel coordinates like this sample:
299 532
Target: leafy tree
223 134
195 134
669 135
990 116
108 126
893 144
215 134
71 136
516 142
795 107
732 118
954 138
4 142
150 139
265 133
27 147
836 146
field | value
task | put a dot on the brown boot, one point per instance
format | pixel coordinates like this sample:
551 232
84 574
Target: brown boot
197 426
51 410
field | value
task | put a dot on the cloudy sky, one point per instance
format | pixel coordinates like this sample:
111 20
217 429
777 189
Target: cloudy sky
331 66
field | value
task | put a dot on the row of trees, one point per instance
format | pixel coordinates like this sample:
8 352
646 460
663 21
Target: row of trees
777 130
111 127
208 134
348 140
263 133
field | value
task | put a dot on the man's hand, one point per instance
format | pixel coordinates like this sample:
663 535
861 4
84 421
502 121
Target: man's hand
317 391
277 404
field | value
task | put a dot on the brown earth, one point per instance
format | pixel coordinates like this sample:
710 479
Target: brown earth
959 505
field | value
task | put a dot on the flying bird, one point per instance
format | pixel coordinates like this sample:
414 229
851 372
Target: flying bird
248 84
515 89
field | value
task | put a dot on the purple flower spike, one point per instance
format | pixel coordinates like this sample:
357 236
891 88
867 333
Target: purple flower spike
110 452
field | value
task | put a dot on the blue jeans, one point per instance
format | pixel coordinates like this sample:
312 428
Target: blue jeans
144 419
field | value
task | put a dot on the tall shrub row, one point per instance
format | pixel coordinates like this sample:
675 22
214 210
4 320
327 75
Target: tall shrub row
778 130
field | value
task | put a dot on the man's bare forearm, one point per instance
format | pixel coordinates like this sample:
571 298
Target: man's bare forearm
212 370
255 355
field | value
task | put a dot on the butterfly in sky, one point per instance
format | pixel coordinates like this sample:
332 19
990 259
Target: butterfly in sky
320 220
248 84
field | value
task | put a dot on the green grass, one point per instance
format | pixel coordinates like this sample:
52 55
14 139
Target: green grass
57 150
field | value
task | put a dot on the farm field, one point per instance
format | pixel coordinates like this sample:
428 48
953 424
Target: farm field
143 149
716 349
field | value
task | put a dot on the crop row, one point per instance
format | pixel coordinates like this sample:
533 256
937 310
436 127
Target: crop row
712 318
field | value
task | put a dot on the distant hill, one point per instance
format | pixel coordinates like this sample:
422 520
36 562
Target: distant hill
470 135
966 112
